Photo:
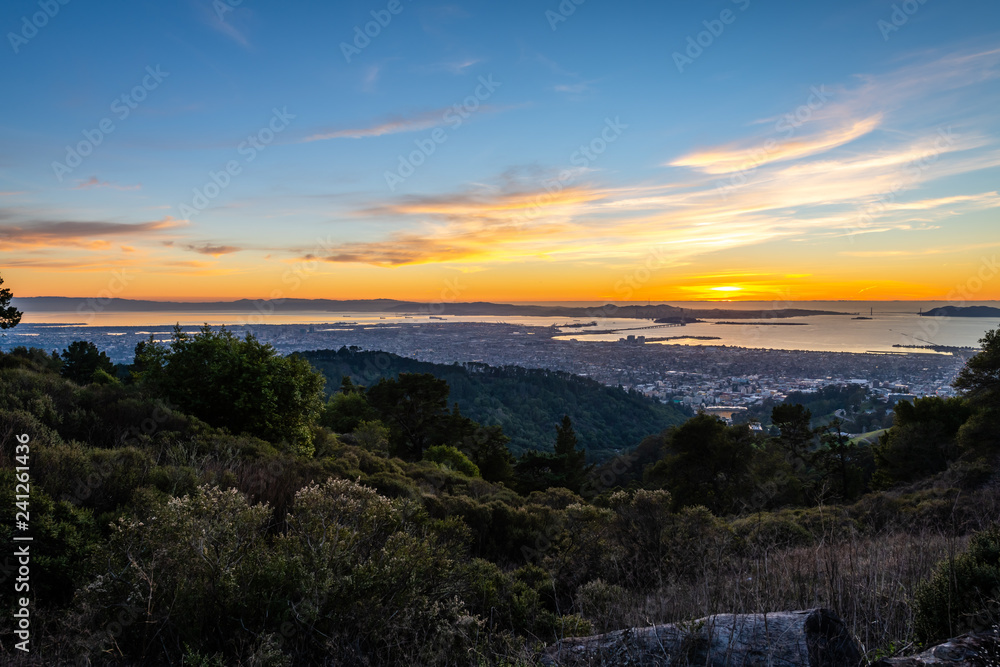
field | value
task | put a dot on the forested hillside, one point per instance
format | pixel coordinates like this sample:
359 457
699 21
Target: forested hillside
526 403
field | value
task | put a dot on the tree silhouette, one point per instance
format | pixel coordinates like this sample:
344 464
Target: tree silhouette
82 359
9 315
573 460
979 379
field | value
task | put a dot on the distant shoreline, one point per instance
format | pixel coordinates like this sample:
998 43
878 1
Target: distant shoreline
389 306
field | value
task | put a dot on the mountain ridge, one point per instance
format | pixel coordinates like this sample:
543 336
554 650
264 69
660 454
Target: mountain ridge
474 308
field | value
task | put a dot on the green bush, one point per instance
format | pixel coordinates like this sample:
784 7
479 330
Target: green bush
963 593
602 604
451 458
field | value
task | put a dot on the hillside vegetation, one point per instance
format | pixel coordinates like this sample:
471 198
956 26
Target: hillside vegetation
214 506
525 403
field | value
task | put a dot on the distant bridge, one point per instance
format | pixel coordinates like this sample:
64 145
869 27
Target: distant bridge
652 326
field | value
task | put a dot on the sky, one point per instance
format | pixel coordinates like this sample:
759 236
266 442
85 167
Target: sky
516 151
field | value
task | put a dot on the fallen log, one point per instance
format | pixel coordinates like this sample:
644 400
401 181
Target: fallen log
813 638
974 649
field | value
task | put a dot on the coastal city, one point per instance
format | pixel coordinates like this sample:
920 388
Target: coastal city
697 376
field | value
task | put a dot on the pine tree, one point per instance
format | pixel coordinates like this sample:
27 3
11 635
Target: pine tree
9 315
573 460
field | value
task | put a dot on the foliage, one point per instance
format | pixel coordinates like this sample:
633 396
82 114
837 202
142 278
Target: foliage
796 437
573 460
346 410
239 384
452 458
707 463
524 403
964 592
162 538
415 407
845 467
83 362
921 441
9 315
373 436
979 379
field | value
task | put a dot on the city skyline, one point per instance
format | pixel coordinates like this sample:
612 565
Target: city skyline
530 152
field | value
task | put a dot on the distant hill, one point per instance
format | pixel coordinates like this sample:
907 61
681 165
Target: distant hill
963 311
526 403
478 308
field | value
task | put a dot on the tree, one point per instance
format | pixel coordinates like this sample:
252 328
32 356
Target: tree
9 315
572 460
347 409
415 408
845 465
921 441
82 361
487 447
979 379
707 463
797 435
239 384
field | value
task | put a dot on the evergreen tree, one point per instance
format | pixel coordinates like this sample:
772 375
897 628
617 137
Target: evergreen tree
707 463
82 359
239 384
9 315
979 379
571 460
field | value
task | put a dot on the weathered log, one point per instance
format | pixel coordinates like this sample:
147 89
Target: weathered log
813 637
975 649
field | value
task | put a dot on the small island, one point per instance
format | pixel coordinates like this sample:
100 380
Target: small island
962 311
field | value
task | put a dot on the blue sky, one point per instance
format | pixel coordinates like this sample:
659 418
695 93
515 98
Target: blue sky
883 186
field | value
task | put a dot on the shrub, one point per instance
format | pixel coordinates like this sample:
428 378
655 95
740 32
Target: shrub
449 457
602 604
963 593
770 531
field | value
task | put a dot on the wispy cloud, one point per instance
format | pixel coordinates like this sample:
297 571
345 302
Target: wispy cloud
94 182
453 66
371 78
813 188
94 235
213 250
399 124
223 17
734 157
395 125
